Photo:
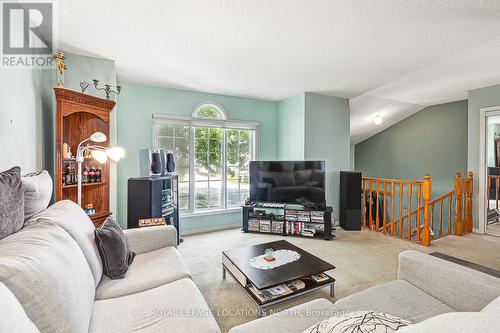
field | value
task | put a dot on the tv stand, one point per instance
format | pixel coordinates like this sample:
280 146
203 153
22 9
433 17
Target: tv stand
288 220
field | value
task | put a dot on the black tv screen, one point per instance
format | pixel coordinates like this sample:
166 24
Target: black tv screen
295 182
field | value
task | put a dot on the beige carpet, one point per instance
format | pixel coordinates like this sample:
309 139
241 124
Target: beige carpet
362 259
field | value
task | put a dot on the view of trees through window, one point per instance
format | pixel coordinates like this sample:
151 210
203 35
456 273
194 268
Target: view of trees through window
219 171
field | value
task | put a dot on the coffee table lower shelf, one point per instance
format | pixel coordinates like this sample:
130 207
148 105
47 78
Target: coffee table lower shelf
262 306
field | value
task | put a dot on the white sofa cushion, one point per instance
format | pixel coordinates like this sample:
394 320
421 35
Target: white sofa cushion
47 272
399 298
69 216
175 307
37 192
493 307
295 319
149 270
457 322
14 319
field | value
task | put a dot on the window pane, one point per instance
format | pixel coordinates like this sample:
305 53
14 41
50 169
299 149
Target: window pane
208 167
238 161
183 195
201 194
215 194
165 130
175 137
165 143
183 174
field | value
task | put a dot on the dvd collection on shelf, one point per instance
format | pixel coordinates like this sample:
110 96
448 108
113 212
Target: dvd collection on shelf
269 226
289 221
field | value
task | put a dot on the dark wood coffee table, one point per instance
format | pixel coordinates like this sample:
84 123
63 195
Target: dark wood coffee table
236 262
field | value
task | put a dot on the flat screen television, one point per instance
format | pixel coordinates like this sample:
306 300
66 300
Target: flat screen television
293 182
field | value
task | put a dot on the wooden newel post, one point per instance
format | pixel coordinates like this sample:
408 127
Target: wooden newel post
470 186
427 192
459 204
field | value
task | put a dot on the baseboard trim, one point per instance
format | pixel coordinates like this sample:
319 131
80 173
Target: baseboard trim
210 229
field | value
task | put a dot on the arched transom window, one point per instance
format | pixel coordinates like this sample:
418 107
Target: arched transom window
210 111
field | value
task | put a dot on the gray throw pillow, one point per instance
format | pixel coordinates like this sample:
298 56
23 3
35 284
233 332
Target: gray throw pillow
37 192
11 202
113 249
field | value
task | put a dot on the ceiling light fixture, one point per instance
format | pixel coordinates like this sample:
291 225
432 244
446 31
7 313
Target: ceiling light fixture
377 120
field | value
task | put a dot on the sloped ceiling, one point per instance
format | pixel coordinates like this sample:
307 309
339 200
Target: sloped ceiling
389 57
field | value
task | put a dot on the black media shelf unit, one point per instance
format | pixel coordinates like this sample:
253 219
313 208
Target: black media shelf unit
150 197
288 220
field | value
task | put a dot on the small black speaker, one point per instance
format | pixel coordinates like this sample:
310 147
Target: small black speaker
350 200
156 165
170 163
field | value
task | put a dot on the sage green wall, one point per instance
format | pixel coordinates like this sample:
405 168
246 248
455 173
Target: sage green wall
433 141
21 123
478 99
291 128
327 137
137 103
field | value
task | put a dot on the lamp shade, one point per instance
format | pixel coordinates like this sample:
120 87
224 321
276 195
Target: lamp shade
100 156
98 137
115 153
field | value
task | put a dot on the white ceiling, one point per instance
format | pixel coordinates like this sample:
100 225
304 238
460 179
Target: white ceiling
390 57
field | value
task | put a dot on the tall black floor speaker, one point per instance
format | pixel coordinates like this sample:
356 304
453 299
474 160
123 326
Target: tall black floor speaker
350 200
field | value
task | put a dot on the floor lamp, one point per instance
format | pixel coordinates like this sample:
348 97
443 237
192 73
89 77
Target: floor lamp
99 153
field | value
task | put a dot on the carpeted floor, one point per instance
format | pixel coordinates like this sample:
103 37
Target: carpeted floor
362 259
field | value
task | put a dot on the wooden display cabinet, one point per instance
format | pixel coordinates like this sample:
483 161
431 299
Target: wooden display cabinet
78 116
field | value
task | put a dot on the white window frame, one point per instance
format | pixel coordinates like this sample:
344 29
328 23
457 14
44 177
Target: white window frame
193 122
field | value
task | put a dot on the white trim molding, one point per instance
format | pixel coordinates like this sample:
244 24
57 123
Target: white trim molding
483 172
210 229
200 122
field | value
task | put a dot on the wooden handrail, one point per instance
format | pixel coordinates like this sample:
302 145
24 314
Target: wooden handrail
392 180
428 223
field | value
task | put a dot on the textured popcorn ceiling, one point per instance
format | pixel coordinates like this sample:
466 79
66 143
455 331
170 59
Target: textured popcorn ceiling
389 57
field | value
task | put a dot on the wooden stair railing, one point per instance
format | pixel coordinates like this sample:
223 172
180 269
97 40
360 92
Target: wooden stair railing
459 204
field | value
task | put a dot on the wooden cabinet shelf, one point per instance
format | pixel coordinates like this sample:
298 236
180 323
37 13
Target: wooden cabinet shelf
84 185
78 117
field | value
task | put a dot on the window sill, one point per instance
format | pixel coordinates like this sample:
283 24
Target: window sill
212 212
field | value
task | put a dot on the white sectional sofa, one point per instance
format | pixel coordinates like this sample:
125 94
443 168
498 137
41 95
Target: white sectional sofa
51 280
437 295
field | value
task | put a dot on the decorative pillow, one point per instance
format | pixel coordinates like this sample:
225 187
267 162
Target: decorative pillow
37 192
11 202
113 249
360 321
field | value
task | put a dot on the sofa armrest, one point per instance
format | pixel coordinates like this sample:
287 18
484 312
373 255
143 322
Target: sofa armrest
141 240
460 287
